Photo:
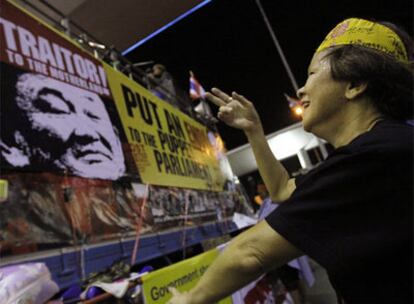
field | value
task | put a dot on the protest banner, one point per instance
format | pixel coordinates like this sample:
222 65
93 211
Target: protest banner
169 147
182 276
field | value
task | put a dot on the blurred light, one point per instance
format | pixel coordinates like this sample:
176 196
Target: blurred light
96 45
258 200
220 143
298 110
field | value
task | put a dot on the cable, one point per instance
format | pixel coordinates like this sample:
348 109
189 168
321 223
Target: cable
278 47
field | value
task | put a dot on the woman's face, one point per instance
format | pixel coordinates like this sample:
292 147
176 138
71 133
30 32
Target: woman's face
322 97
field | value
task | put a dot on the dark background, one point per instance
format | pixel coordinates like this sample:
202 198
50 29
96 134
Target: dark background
227 44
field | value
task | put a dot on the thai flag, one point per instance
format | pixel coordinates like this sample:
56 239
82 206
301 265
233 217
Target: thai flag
293 102
196 90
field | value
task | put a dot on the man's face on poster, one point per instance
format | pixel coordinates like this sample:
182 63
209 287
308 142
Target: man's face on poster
68 128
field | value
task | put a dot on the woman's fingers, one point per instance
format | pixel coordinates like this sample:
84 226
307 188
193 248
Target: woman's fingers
225 110
224 117
243 100
219 93
219 98
216 100
224 113
173 291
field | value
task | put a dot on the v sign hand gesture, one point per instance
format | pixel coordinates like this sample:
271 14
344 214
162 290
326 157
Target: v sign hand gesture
236 111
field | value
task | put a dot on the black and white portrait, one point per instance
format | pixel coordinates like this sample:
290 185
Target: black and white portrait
47 124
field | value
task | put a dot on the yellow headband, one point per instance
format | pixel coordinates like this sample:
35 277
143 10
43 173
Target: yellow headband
368 34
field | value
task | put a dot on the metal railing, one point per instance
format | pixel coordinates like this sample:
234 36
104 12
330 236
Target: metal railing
114 57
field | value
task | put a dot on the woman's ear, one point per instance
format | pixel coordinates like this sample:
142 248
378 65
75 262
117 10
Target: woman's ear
354 90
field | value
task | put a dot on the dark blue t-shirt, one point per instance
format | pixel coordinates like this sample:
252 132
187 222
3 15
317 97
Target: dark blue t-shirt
353 215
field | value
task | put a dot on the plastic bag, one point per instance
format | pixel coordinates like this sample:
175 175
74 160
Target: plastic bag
26 283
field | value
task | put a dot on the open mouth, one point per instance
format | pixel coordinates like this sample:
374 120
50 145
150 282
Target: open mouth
305 104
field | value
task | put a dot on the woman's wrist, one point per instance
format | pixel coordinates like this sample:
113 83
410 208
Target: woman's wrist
254 132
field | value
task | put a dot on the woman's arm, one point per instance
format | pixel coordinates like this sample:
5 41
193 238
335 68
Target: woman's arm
247 256
238 112
274 175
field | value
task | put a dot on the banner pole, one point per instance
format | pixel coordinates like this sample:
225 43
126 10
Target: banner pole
183 242
139 225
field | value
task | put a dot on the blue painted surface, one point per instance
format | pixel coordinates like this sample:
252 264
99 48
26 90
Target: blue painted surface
66 267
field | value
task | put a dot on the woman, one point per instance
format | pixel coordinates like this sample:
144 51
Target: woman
353 213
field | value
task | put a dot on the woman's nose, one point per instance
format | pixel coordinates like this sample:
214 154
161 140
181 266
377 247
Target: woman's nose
300 92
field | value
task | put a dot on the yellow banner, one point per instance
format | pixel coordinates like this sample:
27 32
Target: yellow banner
183 276
168 147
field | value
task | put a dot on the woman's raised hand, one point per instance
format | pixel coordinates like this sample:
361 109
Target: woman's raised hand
236 111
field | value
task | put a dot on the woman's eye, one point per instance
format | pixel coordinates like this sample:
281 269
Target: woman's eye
50 103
